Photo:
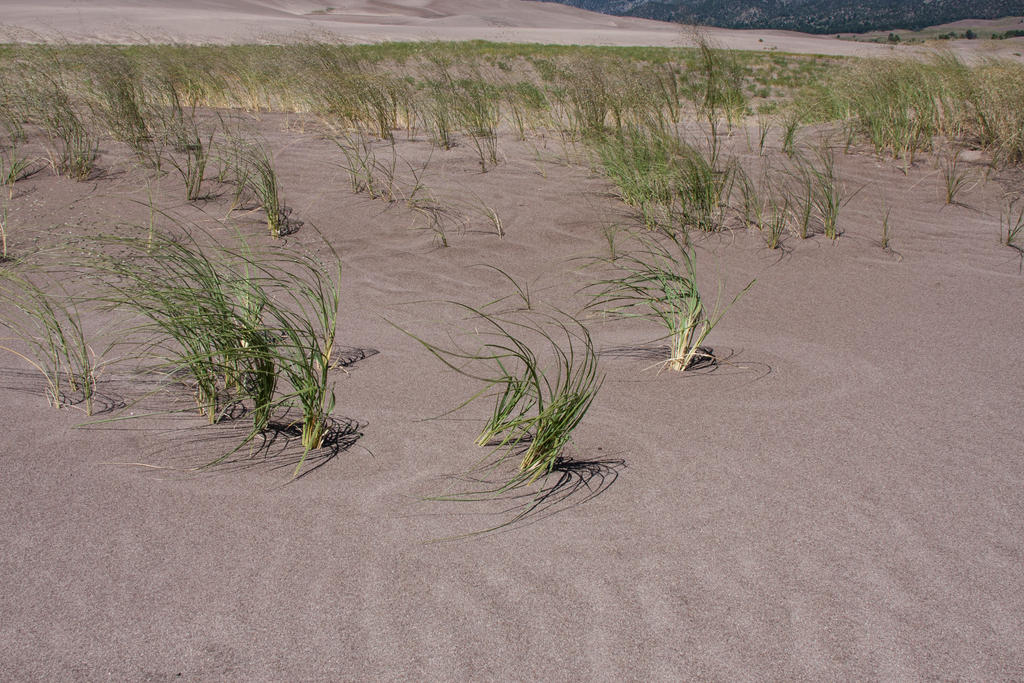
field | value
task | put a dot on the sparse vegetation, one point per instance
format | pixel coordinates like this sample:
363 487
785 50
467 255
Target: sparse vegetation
776 222
246 329
75 148
259 331
819 192
886 232
13 167
658 280
51 337
541 370
3 230
189 150
261 179
1012 223
669 181
800 467
366 173
900 106
953 175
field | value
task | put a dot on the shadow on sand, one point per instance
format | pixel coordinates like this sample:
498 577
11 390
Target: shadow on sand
570 483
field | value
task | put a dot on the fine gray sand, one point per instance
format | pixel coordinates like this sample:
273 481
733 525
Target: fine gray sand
840 498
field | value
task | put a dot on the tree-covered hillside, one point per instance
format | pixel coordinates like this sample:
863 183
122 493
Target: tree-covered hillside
812 16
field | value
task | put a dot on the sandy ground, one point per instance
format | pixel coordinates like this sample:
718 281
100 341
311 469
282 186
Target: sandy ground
840 498
363 21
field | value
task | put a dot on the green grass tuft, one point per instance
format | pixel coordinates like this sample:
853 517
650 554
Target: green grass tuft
658 280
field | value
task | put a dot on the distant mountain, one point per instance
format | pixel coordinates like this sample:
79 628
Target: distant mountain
810 16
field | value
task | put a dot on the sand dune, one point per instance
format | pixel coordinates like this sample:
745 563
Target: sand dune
234 21
370 21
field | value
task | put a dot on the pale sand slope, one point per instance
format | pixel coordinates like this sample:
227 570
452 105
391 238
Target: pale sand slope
361 21
843 498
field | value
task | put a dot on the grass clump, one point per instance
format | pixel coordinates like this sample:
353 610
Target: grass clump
245 329
13 167
524 102
829 196
816 191
658 280
800 197
765 205
1012 220
670 182
589 95
541 370
75 149
52 339
478 112
776 221
954 177
894 103
704 188
367 173
193 303
719 89
255 172
190 151
437 113
305 321
642 164
118 99
790 126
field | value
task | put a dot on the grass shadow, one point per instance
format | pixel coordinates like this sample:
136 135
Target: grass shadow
347 356
105 397
280 447
183 447
183 440
724 362
570 483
